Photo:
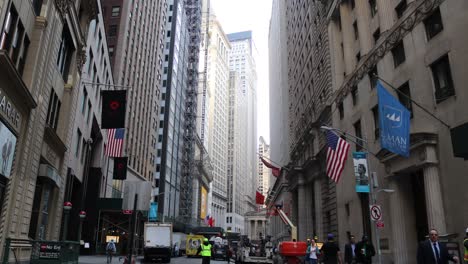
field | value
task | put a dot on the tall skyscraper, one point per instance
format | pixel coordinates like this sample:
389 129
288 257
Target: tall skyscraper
242 61
89 177
279 97
172 110
237 171
263 180
217 104
136 33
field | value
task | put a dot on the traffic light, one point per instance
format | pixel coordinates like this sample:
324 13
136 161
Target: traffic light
113 109
120 168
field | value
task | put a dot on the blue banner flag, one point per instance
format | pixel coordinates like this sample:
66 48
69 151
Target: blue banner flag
361 172
394 123
153 212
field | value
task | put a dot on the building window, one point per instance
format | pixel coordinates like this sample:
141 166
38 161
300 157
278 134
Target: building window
111 51
356 33
65 53
433 24
353 5
89 114
37 4
53 110
398 53
14 39
373 7
83 150
358 57
358 133
78 142
401 8
115 11
376 35
341 110
354 94
442 79
112 30
375 113
83 100
404 95
373 77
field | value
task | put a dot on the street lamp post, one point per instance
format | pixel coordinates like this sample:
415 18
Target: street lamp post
67 206
80 226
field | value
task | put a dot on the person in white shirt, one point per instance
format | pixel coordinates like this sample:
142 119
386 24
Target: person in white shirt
313 252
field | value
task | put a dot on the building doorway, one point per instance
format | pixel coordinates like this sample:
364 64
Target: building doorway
419 204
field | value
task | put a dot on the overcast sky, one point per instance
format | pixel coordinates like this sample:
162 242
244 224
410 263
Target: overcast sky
242 15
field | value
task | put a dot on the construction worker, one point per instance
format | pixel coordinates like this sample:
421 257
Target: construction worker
205 251
465 245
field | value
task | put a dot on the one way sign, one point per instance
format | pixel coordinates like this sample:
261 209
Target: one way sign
376 212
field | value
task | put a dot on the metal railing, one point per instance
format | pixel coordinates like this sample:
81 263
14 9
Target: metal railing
40 251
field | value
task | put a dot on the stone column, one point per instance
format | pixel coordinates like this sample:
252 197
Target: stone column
434 203
386 14
318 209
255 235
309 207
363 17
301 208
399 234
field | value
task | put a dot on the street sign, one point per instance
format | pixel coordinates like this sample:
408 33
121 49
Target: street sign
380 224
376 212
127 212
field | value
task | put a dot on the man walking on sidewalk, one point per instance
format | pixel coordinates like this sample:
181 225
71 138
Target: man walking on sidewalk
110 250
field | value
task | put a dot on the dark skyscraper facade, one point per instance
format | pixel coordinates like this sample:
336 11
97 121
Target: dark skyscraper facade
135 33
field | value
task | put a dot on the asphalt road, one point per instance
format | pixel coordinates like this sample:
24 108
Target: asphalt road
179 260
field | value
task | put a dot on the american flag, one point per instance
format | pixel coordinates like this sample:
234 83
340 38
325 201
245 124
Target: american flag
115 138
337 154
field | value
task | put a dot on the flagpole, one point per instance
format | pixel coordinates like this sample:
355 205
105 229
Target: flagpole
372 199
273 162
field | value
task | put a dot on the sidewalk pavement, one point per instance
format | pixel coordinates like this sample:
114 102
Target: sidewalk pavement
101 259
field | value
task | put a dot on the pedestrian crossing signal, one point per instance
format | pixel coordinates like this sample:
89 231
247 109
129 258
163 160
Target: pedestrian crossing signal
113 109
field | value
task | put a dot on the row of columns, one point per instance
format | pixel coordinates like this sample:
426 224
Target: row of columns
306 202
255 227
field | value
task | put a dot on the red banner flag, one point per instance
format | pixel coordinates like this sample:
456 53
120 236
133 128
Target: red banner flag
274 170
259 198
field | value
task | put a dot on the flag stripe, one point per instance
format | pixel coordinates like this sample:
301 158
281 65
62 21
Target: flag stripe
114 142
337 154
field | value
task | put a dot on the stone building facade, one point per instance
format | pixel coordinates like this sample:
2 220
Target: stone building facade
42 57
217 116
416 47
303 187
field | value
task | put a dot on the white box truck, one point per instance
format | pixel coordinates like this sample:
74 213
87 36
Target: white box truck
158 242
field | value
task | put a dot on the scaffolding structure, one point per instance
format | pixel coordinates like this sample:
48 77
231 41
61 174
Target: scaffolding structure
193 9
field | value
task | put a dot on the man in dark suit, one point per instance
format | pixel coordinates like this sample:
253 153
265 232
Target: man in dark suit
433 252
350 256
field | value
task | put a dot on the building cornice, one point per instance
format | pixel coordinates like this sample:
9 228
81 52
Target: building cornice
416 13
